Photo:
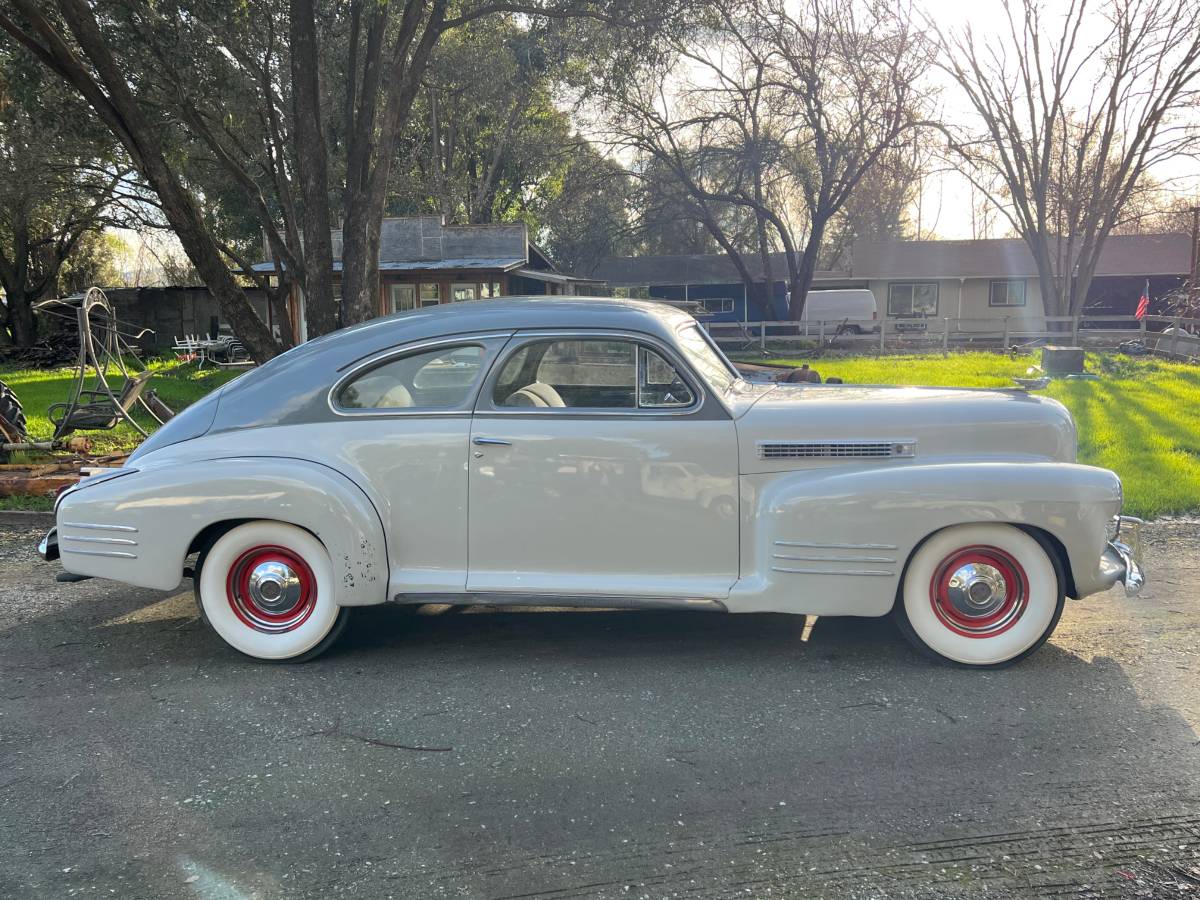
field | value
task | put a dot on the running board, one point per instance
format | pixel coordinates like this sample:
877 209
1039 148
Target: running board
582 601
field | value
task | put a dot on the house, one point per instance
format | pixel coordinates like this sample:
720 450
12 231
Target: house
978 281
982 280
424 262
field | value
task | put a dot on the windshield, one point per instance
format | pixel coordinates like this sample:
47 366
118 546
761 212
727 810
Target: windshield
709 362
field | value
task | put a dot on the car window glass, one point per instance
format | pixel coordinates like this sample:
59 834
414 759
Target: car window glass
436 379
706 360
590 374
573 374
660 386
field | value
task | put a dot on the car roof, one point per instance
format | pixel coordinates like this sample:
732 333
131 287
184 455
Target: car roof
286 382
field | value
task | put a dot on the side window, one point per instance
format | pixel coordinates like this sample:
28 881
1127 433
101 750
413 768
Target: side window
589 374
435 379
659 385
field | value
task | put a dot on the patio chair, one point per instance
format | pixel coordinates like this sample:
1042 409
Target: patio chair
95 410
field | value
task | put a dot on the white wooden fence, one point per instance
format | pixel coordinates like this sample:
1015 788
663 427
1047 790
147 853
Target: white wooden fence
962 332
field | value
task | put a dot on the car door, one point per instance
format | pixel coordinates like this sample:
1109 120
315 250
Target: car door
601 466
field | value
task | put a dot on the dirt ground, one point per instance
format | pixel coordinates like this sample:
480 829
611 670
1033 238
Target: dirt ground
608 754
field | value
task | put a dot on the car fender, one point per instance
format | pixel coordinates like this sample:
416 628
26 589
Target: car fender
138 528
834 541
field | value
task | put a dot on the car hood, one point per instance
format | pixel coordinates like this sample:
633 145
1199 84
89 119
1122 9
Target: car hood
808 425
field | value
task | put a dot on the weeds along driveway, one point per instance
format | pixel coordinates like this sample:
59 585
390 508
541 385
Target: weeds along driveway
560 754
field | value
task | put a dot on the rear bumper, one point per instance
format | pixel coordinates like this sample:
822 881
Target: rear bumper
48 545
1121 561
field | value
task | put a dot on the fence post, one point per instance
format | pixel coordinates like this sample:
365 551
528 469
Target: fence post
882 332
1006 331
1175 337
1142 328
762 336
1075 331
821 333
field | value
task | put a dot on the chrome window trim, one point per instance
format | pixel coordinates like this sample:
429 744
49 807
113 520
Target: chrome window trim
383 357
519 339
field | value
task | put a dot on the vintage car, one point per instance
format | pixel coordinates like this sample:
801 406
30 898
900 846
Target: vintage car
599 453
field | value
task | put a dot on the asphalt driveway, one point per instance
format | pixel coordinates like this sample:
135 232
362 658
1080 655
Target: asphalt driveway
610 754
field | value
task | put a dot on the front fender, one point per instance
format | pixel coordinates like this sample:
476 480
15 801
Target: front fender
138 528
835 541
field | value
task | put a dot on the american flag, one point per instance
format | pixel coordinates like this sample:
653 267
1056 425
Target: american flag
1143 306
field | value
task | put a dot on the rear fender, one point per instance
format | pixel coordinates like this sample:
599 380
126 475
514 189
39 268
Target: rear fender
156 514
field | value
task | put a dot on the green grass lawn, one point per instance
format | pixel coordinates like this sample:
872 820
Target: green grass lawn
1142 419
176 385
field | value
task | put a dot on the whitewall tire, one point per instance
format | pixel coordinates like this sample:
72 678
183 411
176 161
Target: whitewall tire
266 588
981 595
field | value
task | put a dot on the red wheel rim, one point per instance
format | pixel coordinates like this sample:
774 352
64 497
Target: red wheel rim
979 592
271 589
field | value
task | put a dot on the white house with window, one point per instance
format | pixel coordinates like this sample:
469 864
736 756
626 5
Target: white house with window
981 281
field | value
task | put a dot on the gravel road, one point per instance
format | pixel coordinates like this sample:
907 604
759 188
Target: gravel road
594 754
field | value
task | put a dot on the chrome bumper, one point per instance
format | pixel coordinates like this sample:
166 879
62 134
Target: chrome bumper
48 545
1122 559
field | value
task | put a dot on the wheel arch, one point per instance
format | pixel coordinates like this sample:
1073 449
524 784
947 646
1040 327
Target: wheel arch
177 510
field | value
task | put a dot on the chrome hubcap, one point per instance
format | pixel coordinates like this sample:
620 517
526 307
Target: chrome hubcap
275 587
977 589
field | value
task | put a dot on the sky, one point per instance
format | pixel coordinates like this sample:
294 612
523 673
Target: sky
944 205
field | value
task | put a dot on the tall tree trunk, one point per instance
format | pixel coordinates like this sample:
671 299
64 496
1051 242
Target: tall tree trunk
806 268
111 96
312 170
20 317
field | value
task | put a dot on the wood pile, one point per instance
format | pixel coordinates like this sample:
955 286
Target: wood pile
48 478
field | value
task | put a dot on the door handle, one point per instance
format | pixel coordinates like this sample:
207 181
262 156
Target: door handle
487 441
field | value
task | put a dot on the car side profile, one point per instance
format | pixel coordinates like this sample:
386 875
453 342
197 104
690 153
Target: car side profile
602 453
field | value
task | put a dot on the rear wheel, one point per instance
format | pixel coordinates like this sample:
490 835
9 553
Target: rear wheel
266 588
981 595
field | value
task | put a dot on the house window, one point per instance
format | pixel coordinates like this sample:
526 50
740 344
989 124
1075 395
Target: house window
401 297
1010 292
907 299
461 290
431 294
717 304
488 290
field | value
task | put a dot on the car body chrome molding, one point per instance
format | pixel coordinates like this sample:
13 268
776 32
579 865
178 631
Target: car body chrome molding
821 546
581 601
99 527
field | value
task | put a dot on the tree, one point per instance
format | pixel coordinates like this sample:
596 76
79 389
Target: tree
62 181
779 109
1073 112
71 42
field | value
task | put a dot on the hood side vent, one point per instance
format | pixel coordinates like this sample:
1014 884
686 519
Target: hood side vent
900 449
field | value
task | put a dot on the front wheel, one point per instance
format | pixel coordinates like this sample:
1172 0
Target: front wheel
266 588
981 595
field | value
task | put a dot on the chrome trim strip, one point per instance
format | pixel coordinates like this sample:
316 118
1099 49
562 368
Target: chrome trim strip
117 554
98 527
99 540
830 571
582 601
819 546
859 559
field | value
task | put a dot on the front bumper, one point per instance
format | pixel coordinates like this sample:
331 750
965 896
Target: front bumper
1122 558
